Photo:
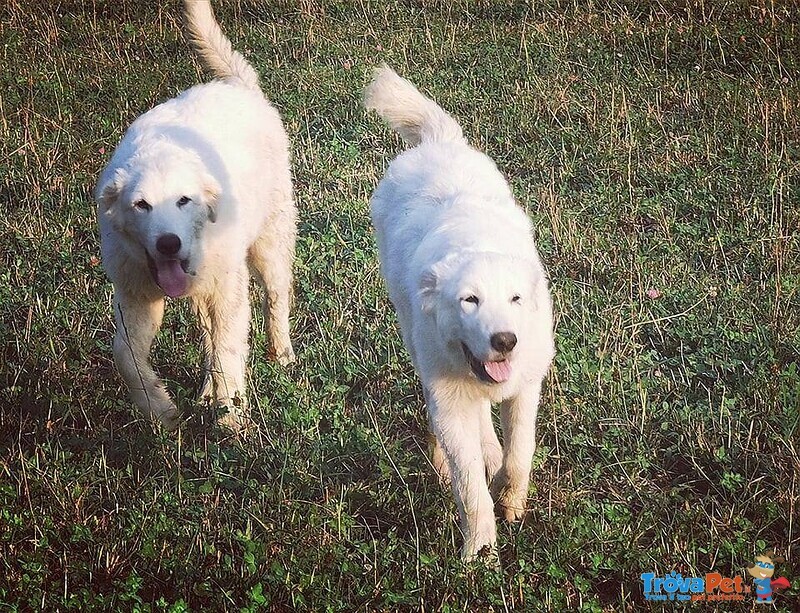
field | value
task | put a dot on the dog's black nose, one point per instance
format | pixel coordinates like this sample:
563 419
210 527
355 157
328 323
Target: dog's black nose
503 341
168 244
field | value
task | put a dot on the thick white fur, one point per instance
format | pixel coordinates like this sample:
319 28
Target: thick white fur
448 229
222 145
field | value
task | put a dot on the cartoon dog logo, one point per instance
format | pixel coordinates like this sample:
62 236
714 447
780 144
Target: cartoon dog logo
761 571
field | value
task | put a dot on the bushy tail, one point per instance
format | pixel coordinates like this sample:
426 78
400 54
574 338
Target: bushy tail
417 118
215 50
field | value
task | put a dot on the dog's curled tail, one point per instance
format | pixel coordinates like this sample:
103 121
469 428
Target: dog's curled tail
417 118
215 50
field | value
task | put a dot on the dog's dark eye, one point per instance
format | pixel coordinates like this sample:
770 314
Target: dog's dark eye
184 200
515 298
143 205
472 299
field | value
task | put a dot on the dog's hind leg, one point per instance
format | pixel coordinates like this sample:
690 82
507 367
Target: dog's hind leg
510 485
228 310
207 391
271 258
490 445
438 458
138 319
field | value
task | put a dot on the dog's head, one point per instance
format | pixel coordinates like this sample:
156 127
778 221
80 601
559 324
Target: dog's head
159 203
483 305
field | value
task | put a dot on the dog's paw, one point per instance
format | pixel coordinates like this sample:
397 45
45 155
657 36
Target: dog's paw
284 357
487 557
480 533
156 403
236 416
234 423
169 417
512 508
481 548
510 500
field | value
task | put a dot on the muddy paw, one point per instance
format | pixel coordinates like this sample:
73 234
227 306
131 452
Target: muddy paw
285 357
482 548
236 416
235 423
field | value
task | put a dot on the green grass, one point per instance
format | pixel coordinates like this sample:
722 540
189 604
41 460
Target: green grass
655 146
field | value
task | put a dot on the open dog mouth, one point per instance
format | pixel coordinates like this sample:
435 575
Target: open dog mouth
172 276
489 372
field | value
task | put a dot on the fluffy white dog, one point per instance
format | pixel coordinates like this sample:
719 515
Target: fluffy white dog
471 296
198 190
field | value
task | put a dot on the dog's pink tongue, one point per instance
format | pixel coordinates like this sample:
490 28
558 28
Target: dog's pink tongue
171 278
499 371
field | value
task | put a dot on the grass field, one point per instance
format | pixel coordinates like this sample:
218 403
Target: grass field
655 146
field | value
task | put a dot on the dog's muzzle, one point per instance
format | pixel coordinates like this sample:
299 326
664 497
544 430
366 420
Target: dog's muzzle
492 371
171 275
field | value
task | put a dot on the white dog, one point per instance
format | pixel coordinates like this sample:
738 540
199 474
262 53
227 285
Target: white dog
471 296
199 190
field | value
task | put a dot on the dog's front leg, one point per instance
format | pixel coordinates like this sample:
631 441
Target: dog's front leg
510 485
228 322
456 423
138 319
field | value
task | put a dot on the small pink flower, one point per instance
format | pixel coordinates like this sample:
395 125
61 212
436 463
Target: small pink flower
102 150
653 293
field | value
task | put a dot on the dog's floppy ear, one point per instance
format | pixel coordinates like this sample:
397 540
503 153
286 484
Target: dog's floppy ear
427 289
430 282
109 188
211 191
